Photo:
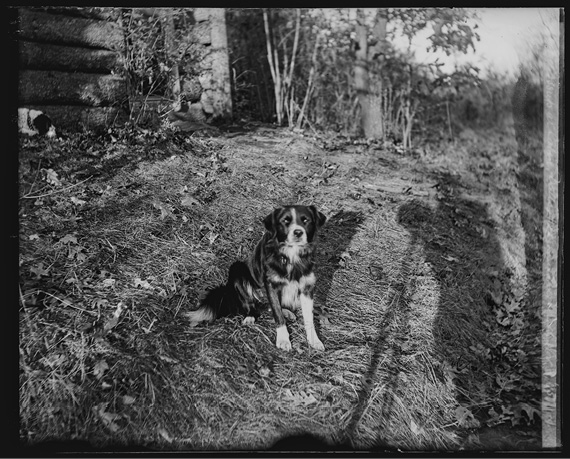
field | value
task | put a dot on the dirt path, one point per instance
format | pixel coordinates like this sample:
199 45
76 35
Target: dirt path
418 256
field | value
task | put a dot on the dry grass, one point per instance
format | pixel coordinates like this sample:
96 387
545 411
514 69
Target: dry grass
398 302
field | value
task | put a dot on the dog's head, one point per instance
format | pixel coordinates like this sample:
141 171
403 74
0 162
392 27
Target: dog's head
294 225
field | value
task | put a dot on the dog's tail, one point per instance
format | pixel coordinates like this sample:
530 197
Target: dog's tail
235 297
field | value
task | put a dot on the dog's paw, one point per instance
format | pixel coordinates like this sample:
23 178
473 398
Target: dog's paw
289 315
249 320
284 344
317 344
282 341
314 340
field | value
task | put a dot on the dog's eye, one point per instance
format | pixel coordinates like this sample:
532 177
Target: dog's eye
287 220
304 219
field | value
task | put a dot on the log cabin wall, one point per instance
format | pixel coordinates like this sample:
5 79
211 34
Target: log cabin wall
70 62
72 69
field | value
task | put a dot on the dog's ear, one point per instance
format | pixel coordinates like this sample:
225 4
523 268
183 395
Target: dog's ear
319 217
269 221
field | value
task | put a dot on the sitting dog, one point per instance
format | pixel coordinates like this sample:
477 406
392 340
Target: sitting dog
282 265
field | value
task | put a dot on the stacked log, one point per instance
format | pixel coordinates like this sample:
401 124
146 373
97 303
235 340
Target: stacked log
70 60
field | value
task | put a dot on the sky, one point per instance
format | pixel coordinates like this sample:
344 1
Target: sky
505 34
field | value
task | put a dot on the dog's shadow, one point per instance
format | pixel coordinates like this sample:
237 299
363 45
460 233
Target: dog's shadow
334 239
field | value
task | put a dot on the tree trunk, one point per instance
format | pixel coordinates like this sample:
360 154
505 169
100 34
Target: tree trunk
170 42
370 93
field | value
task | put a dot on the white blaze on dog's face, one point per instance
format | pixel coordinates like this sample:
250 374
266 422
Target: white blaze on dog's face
296 233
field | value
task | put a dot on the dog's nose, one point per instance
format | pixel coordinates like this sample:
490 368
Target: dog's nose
298 233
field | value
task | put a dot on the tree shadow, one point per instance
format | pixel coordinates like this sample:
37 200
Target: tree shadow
460 244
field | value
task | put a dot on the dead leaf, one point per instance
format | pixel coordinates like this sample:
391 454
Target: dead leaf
128 400
33 237
465 418
78 202
165 210
416 430
140 283
39 270
212 237
530 411
324 319
68 239
109 283
164 434
264 372
100 368
99 302
107 417
189 201
51 177
113 321
165 358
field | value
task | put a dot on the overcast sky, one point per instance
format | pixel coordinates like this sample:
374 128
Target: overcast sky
505 34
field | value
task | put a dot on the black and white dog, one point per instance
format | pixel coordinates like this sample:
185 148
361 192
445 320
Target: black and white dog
282 266
35 122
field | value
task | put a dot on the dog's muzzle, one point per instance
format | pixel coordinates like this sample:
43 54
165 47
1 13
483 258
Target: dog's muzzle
297 235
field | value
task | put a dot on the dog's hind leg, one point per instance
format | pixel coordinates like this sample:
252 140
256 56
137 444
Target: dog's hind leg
289 315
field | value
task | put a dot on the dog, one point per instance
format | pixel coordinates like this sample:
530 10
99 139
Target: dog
34 122
281 266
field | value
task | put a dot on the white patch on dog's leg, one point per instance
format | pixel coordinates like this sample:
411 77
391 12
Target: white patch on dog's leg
283 338
289 315
307 309
249 320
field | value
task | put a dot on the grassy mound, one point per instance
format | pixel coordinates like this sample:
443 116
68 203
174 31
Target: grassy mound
424 301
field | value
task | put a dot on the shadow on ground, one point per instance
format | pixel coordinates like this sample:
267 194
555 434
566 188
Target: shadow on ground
334 239
461 246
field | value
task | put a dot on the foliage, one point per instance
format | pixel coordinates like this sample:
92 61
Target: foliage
148 60
320 89
451 32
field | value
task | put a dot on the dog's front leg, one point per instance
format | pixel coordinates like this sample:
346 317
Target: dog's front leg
282 341
307 309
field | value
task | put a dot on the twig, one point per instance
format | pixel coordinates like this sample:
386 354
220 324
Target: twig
36 177
22 296
67 303
56 191
309 83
